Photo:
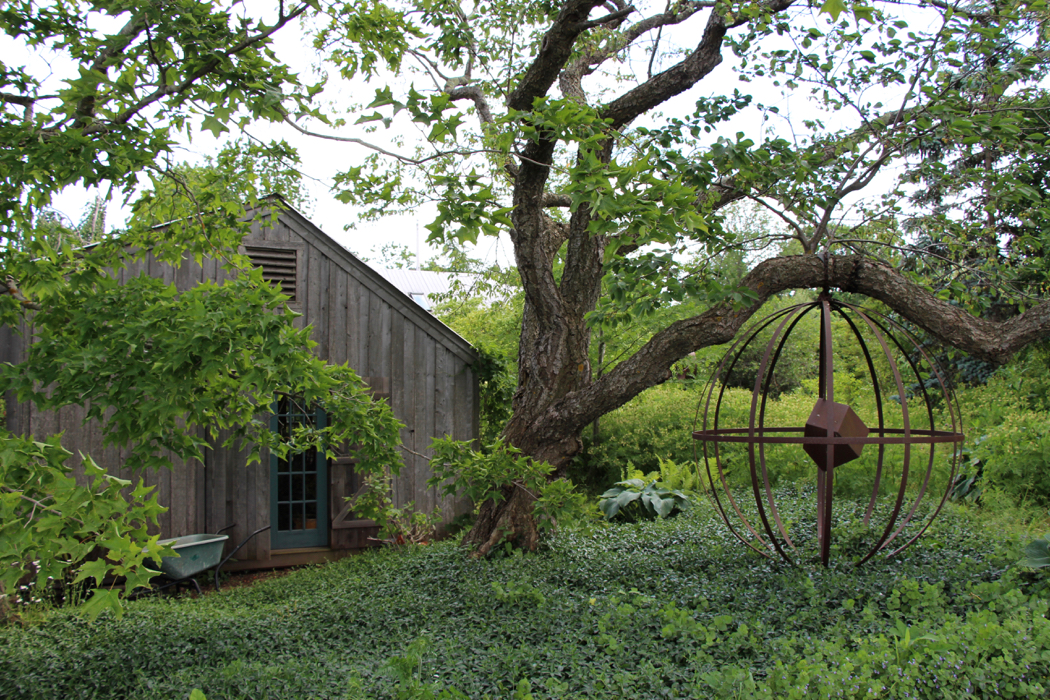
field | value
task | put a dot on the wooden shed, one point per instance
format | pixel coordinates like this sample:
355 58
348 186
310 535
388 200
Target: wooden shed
402 351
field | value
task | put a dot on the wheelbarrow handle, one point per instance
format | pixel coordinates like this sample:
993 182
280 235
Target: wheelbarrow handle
235 550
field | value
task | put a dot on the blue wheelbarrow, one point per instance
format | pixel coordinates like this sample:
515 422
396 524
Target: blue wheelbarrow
197 553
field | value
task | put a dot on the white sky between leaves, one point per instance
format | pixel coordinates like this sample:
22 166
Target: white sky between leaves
321 160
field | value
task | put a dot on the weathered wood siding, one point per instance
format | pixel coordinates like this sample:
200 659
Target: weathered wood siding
182 488
402 351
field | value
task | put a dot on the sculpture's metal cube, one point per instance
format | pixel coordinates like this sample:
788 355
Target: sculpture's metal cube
844 423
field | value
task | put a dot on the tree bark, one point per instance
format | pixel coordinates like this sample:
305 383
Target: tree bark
508 521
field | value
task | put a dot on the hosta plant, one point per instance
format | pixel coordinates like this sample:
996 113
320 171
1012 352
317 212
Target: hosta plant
1037 553
633 500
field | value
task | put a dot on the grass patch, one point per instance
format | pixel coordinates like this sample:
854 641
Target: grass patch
675 608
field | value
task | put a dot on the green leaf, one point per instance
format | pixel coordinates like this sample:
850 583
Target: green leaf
213 125
833 8
96 569
142 490
1037 553
609 507
626 498
864 12
373 117
663 506
102 600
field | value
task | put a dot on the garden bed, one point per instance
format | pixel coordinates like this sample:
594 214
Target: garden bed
668 609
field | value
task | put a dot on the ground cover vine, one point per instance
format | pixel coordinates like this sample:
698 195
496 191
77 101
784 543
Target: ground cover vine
671 608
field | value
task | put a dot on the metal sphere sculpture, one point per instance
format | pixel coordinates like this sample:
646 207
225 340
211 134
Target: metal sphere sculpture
834 434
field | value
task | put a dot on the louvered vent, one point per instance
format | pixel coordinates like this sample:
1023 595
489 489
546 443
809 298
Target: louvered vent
278 267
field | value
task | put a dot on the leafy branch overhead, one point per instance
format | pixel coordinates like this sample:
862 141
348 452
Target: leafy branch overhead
167 373
132 93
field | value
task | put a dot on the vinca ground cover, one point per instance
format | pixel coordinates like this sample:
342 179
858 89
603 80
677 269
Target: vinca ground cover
670 609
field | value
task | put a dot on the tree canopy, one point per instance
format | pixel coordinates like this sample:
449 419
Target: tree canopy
587 132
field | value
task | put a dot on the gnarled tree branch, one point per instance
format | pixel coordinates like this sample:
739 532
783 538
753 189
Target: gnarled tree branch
988 340
571 78
473 92
555 50
683 75
23 100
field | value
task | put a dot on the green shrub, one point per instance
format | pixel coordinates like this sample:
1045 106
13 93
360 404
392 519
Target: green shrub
1007 448
1015 456
655 430
656 425
460 470
680 477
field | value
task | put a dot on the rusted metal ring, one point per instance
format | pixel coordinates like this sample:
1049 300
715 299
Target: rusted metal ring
834 435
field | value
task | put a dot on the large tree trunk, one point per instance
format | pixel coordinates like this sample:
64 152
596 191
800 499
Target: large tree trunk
508 521
554 350
554 361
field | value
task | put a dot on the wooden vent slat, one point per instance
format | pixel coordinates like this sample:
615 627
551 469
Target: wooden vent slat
279 266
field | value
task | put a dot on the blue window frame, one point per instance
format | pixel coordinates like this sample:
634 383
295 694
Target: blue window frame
298 483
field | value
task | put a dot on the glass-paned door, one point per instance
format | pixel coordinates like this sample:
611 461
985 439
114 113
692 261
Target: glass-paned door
298 483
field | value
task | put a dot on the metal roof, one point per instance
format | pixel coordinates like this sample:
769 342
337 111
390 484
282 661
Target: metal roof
418 281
